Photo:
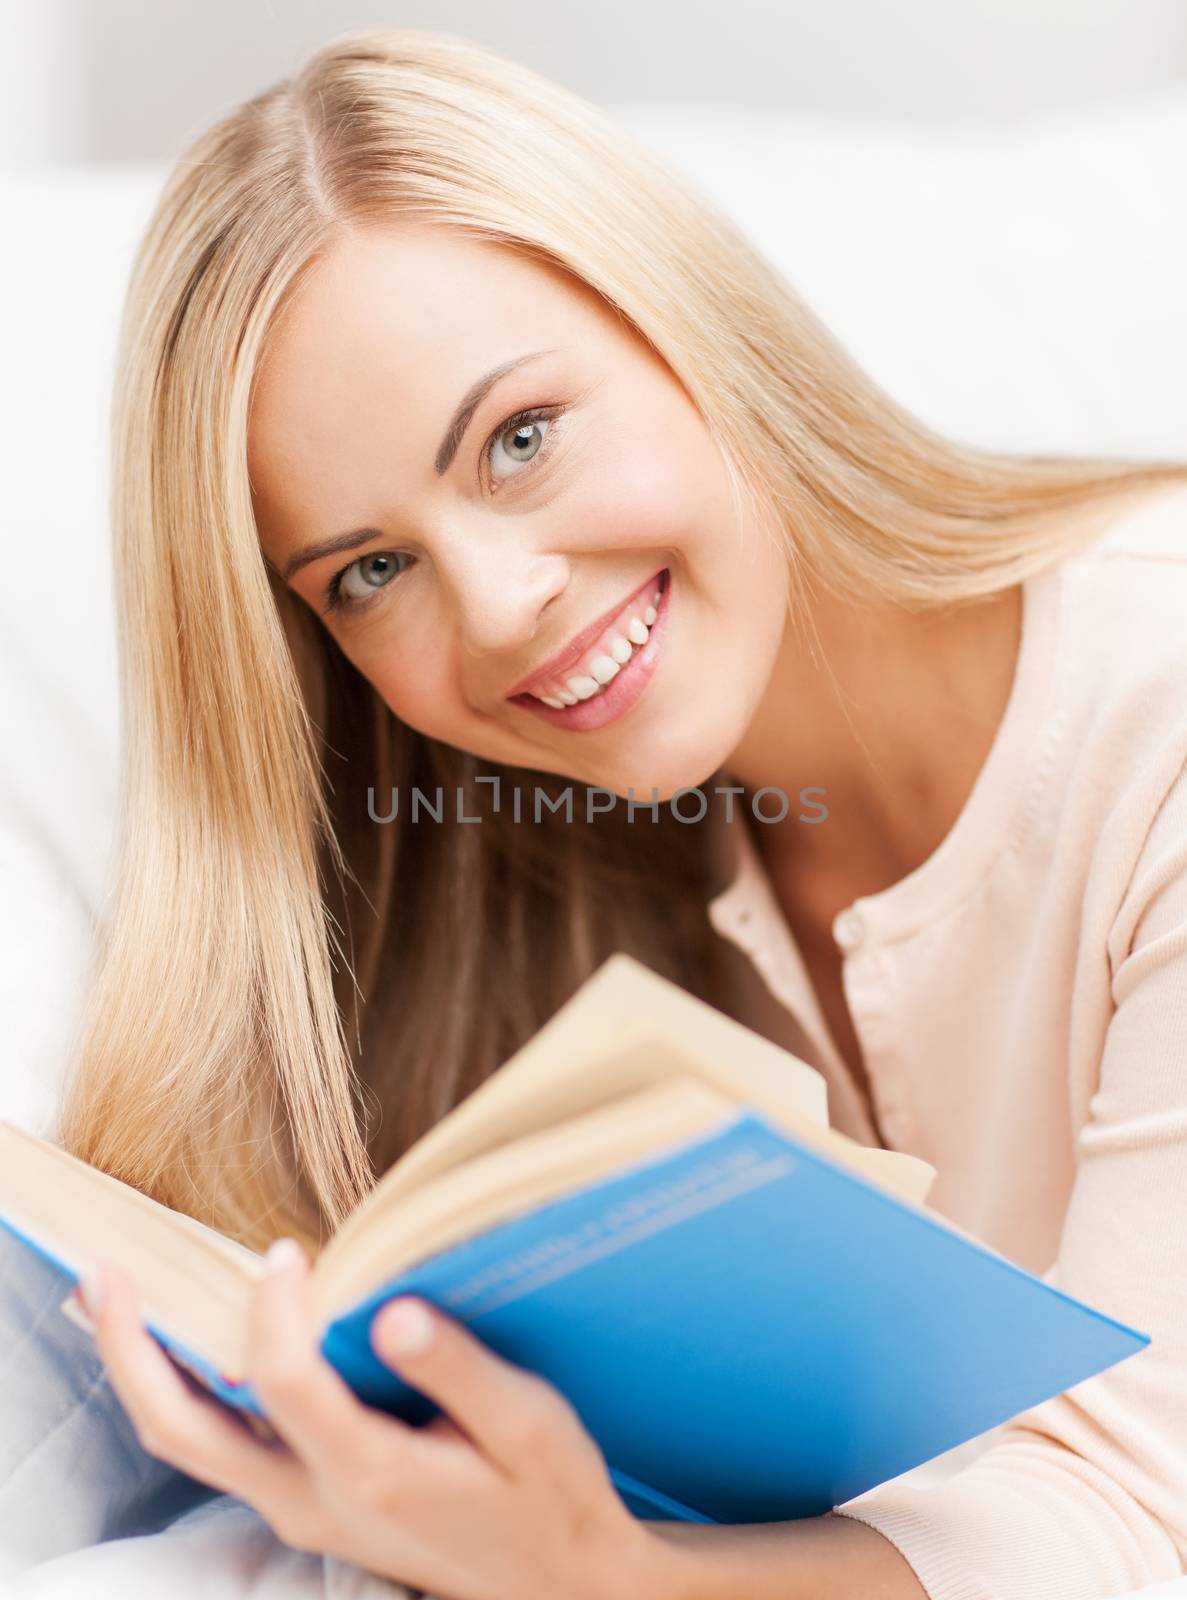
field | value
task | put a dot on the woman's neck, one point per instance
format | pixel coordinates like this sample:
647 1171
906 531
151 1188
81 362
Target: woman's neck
893 715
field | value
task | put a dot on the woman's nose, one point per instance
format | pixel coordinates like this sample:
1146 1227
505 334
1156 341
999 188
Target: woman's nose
501 596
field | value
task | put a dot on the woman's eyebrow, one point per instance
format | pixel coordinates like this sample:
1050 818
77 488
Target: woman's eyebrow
454 434
470 401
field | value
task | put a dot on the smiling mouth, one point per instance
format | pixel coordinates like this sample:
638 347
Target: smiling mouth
588 673
582 703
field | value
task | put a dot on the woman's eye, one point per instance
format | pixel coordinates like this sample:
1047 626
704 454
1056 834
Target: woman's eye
520 440
523 438
372 572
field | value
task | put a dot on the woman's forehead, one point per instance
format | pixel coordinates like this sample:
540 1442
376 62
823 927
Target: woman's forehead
406 319
413 295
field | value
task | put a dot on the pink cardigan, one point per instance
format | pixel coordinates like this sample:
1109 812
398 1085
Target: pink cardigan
1021 1003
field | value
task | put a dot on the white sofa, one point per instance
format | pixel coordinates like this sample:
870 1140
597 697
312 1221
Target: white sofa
1018 286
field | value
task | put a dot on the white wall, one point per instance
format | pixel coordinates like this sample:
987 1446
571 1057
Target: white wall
40 73
135 79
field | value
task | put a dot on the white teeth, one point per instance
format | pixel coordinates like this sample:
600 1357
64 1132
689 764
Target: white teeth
603 668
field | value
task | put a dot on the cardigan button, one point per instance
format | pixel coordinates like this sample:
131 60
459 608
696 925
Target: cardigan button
848 929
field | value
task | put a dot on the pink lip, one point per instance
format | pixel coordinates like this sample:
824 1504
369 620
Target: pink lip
579 644
621 693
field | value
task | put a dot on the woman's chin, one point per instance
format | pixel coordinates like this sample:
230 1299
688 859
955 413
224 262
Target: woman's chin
663 779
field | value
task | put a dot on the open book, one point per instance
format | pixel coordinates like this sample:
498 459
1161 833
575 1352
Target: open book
756 1317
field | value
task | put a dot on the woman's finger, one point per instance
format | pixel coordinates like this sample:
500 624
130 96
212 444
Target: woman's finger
517 1419
194 1432
306 1401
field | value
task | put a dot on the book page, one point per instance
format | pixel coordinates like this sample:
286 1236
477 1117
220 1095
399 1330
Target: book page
516 1178
625 1028
194 1283
621 1002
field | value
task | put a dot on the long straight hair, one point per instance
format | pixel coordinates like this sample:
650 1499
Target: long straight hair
288 993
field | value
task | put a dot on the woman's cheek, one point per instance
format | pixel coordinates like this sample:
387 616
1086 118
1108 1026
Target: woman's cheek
409 681
640 505
668 497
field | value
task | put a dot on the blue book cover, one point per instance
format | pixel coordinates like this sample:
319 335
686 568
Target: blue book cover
755 1318
749 1332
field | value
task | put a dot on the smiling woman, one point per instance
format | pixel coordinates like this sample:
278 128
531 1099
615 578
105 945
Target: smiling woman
575 521
620 513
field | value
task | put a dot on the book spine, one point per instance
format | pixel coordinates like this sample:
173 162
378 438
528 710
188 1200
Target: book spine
223 1388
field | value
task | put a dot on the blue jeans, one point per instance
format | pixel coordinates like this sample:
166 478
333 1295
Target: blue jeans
71 1470
84 1511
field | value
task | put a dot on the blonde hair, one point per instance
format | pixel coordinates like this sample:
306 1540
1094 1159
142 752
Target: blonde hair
287 993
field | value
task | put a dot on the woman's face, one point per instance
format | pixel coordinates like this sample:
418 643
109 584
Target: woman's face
509 514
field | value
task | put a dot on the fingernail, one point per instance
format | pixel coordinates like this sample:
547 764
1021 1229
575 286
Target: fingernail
90 1289
408 1327
281 1254
73 1310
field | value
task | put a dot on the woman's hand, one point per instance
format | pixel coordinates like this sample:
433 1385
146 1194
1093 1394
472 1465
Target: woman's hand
502 1496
